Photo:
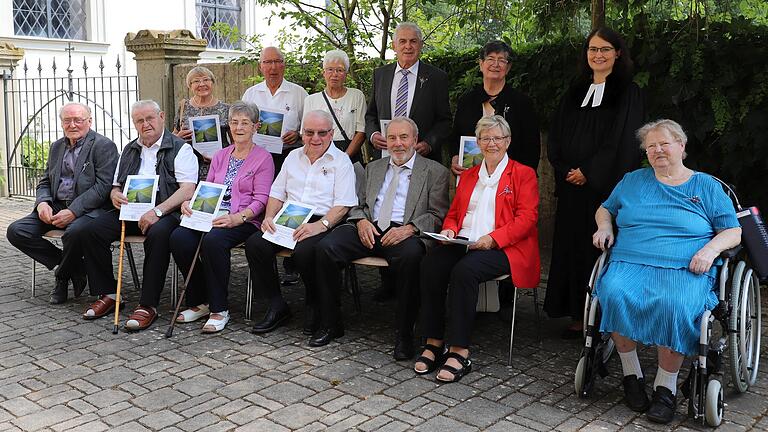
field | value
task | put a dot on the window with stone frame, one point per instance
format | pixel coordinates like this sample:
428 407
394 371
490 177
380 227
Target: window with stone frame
215 11
56 19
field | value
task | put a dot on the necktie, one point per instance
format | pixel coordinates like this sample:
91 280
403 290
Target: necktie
401 102
385 212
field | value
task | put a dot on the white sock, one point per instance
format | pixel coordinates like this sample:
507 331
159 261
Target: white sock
666 379
630 364
112 296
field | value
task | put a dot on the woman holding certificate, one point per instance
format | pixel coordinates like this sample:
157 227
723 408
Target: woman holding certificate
201 82
495 208
247 172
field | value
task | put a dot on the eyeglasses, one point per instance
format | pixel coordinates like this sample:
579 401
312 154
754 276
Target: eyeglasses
602 50
498 61
496 139
651 148
321 133
76 121
335 70
271 62
235 123
199 81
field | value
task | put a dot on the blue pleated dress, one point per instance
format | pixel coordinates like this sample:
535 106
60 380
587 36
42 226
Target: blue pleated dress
646 291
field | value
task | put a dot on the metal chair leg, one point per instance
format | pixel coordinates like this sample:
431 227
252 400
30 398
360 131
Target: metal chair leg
355 287
174 285
34 279
512 329
248 296
132 265
536 310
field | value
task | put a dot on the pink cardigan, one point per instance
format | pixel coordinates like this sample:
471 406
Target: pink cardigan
250 188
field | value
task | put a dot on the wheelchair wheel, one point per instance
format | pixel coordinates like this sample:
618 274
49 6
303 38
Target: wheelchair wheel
580 376
745 320
713 410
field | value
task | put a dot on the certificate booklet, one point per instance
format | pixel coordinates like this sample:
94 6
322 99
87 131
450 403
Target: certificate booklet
205 205
271 130
469 152
206 134
140 190
384 124
290 217
440 237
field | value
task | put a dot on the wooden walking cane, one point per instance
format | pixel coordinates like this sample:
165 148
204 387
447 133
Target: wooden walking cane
169 332
119 277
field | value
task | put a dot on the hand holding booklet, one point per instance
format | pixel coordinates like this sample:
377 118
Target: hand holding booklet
292 215
140 190
440 237
205 206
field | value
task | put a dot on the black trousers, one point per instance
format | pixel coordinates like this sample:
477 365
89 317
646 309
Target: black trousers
342 246
104 230
26 234
464 271
210 279
262 263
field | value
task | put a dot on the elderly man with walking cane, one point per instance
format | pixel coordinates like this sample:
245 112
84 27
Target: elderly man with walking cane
155 152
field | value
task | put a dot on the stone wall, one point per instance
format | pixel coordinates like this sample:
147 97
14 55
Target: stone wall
232 80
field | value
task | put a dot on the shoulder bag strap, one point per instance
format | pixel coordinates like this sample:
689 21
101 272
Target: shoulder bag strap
182 105
341 129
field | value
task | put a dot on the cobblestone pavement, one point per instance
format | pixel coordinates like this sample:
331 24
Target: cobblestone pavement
60 373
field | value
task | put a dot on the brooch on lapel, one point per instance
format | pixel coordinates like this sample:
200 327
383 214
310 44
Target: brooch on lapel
422 80
506 108
85 165
695 199
506 190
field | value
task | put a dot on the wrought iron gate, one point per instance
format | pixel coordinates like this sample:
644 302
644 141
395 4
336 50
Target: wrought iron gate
32 106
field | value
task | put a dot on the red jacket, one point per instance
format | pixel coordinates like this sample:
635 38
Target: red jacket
517 211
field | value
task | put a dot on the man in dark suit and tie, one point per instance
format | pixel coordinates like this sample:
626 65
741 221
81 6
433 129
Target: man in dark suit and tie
404 194
72 191
413 89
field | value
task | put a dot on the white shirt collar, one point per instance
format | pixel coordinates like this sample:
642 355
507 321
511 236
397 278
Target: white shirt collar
156 144
408 163
332 152
262 86
414 69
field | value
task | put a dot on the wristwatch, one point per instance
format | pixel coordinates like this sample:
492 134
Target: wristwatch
326 224
242 216
158 212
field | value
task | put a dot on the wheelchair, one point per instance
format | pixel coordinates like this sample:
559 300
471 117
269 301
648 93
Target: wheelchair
737 332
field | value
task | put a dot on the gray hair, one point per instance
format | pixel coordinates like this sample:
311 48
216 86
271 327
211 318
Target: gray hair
263 50
145 103
69 104
672 127
409 25
200 70
248 109
490 122
325 115
403 119
336 55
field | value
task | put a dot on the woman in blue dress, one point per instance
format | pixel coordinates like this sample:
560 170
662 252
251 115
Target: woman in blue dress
672 225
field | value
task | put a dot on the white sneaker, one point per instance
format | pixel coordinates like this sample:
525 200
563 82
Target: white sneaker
191 314
214 325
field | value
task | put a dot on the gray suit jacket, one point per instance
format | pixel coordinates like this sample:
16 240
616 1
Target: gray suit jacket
94 169
426 203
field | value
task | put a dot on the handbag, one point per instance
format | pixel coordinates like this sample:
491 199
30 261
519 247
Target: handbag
338 124
177 126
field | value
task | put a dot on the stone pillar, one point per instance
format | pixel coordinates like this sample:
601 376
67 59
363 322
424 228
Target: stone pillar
9 56
156 52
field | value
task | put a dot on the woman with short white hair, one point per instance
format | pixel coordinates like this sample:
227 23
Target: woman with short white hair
346 105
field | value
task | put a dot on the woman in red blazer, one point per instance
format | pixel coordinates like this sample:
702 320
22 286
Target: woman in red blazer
496 207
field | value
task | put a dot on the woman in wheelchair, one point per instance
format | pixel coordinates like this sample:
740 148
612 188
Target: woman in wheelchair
672 224
495 207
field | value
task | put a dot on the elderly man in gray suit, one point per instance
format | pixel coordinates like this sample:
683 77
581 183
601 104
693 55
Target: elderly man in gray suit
73 190
403 195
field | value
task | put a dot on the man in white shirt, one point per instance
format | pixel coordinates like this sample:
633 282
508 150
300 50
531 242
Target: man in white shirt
403 194
276 93
155 152
410 88
317 174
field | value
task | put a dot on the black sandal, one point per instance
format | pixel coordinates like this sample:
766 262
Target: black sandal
438 352
466 367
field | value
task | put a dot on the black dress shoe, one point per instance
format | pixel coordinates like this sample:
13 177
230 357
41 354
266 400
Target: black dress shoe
311 322
634 393
59 293
289 279
404 348
663 406
324 336
78 284
272 320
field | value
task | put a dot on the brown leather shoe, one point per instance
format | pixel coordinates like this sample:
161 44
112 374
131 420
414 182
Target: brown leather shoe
101 307
141 318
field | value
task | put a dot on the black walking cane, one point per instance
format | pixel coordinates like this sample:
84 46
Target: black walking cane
119 277
169 332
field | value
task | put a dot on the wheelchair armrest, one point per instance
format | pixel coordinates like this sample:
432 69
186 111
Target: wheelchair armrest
730 253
